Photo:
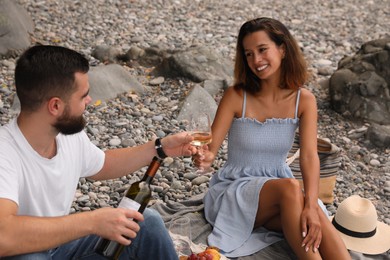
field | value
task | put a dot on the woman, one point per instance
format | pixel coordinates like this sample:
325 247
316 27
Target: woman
254 197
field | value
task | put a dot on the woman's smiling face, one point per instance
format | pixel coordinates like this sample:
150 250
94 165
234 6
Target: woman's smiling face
264 57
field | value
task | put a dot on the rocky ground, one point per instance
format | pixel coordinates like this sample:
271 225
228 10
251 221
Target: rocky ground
326 31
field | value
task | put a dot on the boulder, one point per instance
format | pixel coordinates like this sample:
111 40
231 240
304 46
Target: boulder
379 135
199 101
360 88
197 64
106 54
107 81
16 26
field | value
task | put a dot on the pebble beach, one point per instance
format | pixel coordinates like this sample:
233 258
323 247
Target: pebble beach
326 31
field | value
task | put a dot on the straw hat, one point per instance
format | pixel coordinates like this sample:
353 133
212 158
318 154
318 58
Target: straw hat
357 222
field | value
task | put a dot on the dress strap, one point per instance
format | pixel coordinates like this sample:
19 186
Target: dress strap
244 106
297 103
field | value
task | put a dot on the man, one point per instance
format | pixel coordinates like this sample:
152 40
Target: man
44 152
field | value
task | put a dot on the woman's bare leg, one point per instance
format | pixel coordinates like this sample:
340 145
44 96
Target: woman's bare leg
332 246
280 206
282 199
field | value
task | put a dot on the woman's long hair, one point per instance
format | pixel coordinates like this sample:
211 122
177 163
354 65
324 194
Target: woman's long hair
293 67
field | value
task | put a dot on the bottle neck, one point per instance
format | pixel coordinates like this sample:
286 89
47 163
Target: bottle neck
147 178
152 169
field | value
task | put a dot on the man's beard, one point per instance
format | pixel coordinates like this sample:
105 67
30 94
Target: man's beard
68 125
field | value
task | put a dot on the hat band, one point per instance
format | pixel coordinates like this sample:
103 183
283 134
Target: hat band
352 233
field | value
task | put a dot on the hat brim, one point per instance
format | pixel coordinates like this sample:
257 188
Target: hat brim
377 244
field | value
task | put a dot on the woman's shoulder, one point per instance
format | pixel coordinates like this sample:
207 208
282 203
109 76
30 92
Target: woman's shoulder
232 101
233 93
306 95
307 101
235 90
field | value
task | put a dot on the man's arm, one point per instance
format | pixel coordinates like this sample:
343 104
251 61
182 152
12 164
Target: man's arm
25 234
119 162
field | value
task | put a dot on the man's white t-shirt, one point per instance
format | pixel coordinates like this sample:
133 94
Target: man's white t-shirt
41 186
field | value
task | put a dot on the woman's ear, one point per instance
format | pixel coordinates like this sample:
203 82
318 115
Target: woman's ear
282 49
55 106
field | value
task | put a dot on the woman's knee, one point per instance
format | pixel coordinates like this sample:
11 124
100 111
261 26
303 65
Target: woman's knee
291 189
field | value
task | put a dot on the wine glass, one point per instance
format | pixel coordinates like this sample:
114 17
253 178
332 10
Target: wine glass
200 129
181 235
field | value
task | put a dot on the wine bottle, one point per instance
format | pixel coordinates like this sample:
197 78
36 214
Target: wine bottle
137 198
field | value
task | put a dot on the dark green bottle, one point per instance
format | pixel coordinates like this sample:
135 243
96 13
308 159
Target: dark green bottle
137 198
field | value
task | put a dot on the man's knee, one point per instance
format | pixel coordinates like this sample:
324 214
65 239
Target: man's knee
152 220
33 256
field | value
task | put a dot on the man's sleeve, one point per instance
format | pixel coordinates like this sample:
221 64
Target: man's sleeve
9 179
93 157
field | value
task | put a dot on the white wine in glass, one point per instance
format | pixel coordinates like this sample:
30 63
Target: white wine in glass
201 138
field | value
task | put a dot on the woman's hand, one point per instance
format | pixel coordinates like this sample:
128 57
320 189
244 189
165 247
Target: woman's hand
311 228
205 159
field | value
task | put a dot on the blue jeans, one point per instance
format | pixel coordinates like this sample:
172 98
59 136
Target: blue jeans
152 242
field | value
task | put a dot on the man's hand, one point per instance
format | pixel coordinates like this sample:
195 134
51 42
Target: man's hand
117 224
178 145
26 234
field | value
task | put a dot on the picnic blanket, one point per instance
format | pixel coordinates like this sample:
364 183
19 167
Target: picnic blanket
200 229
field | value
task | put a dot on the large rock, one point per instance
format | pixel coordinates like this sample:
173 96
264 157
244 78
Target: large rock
199 101
196 64
15 28
105 53
379 135
107 81
360 88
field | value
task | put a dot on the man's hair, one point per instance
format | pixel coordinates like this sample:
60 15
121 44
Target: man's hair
43 72
293 67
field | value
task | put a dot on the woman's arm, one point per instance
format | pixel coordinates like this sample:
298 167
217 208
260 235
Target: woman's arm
229 107
310 168
309 161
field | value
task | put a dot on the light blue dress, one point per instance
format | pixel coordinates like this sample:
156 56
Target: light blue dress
257 152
